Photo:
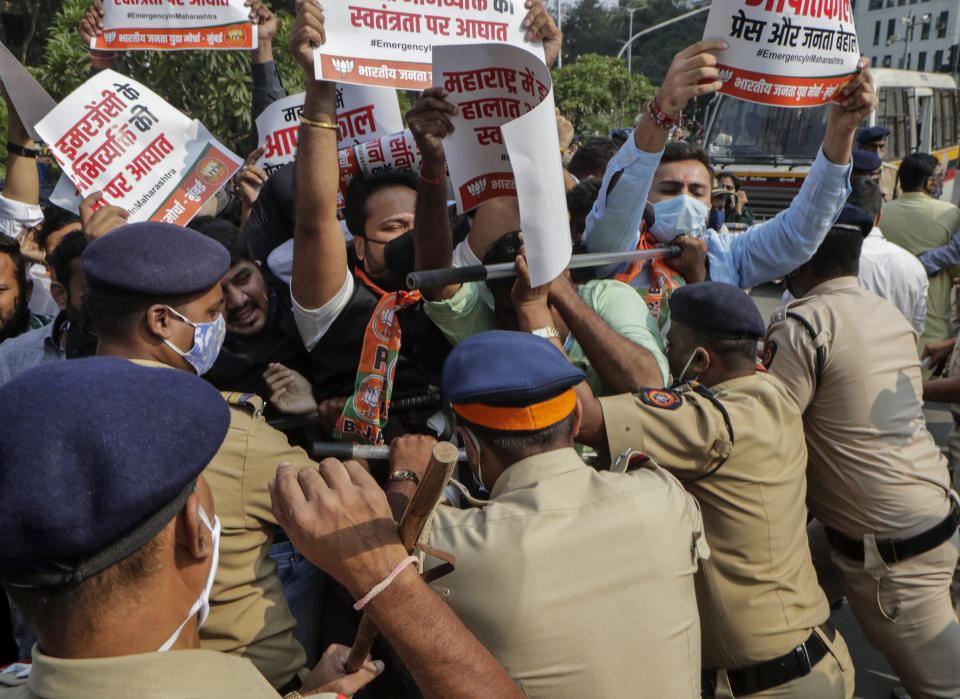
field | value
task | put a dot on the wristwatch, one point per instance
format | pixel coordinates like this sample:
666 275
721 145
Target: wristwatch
403 474
548 332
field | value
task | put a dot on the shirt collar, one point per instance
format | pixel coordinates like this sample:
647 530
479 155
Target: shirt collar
529 471
844 282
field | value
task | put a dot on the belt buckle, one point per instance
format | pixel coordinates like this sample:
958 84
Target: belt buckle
803 657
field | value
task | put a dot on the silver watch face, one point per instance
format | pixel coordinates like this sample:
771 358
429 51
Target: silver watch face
400 475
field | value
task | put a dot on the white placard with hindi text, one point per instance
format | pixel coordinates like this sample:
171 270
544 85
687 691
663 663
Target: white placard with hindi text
29 98
505 143
372 42
175 25
115 135
789 53
363 114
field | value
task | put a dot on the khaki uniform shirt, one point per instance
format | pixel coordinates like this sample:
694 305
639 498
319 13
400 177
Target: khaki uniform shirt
873 466
889 184
918 222
580 582
170 675
249 615
758 594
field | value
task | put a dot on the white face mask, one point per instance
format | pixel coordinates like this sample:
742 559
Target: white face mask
679 215
478 478
202 605
687 366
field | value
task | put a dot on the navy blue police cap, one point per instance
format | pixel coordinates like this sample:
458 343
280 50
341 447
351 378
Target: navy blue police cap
154 259
126 446
851 215
511 381
718 309
872 133
865 161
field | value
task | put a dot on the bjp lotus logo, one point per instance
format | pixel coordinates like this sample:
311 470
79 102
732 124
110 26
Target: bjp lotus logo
726 75
367 399
235 36
342 65
477 187
110 36
212 171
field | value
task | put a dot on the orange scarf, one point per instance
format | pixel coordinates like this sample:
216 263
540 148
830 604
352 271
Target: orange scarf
663 280
366 410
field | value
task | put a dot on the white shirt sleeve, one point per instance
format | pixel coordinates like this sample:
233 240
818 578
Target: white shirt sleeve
15 216
464 256
314 323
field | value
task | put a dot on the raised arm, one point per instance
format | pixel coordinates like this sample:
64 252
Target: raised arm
319 252
339 518
267 85
429 121
22 183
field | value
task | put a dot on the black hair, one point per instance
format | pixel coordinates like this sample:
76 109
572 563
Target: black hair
504 249
580 200
361 188
591 157
915 170
676 151
730 176
10 247
115 315
513 446
866 194
225 233
54 218
67 250
838 254
737 349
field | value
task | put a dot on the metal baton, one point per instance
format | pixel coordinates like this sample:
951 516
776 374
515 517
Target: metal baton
479 273
345 450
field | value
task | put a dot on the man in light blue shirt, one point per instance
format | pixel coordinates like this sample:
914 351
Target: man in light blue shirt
641 172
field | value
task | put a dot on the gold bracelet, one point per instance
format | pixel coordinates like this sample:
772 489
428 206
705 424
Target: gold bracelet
295 694
318 124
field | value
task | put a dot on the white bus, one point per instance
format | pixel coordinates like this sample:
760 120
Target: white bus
771 148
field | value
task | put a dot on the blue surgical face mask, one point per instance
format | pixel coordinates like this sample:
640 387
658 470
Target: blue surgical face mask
679 215
478 476
717 218
207 341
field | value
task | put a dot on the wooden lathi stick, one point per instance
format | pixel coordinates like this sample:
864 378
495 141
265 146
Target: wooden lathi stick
423 502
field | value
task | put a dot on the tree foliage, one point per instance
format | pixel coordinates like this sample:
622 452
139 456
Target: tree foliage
597 94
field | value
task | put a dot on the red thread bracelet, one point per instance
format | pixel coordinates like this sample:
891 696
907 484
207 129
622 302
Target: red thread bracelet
430 180
661 118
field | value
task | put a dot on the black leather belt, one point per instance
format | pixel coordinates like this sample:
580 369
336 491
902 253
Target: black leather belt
892 551
772 673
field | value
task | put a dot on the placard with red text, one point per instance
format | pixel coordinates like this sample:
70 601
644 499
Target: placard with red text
175 25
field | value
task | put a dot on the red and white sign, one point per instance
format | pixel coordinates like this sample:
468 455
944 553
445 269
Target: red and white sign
505 144
363 114
143 154
788 53
175 25
397 151
389 42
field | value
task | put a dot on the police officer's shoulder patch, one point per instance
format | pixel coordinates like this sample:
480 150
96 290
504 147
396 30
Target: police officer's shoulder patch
768 353
248 401
660 398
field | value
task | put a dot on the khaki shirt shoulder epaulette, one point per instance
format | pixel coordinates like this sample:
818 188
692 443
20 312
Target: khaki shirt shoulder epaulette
848 359
740 450
249 615
176 673
580 582
889 182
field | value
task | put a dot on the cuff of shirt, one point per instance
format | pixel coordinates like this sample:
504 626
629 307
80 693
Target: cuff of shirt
26 215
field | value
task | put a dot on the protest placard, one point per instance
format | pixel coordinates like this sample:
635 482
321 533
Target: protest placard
505 143
115 135
789 53
29 99
397 151
175 25
369 43
363 113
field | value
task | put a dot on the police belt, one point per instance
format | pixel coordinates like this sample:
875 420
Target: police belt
773 673
892 551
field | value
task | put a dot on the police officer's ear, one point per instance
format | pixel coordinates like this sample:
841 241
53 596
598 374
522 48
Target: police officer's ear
577 417
159 321
191 534
700 363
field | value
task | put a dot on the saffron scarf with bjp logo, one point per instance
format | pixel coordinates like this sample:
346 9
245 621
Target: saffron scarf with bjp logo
365 413
663 280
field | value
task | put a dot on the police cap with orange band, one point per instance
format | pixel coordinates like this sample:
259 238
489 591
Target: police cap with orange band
510 381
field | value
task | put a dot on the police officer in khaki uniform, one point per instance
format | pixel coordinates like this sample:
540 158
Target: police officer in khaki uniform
874 140
734 437
118 568
878 484
579 582
153 293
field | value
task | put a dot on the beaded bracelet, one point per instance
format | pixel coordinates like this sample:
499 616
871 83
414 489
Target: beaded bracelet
661 118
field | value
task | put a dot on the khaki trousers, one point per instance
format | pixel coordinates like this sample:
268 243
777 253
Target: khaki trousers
831 678
904 610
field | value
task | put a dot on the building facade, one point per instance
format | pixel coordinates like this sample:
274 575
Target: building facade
910 34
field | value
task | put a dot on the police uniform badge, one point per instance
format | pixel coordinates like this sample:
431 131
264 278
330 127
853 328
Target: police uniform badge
768 353
659 398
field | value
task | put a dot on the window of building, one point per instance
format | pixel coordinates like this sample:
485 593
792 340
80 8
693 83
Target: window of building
891 3
942 24
937 60
922 60
886 61
875 5
924 31
909 56
891 27
876 32
873 62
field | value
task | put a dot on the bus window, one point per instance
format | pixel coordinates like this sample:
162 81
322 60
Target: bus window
940 125
894 113
747 132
